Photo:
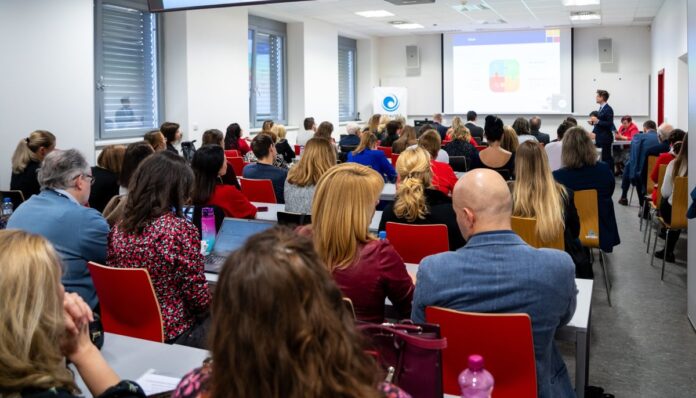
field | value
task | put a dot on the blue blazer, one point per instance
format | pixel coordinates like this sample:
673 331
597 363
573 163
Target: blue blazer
79 234
639 146
377 160
605 127
497 272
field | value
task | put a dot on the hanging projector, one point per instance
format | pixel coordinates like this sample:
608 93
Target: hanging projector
409 2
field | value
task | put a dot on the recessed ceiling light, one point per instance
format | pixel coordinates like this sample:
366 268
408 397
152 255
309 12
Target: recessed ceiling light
579 3
375 14
408 26
584 16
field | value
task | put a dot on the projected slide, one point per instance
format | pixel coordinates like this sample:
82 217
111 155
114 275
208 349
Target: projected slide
520 72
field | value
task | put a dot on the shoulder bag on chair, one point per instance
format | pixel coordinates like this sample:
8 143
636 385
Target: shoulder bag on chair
411 354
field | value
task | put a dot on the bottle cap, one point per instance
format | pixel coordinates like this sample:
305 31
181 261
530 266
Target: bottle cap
475 362
382 234
7 200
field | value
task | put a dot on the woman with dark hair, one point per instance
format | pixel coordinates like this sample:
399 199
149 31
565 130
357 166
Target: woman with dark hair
215 137
234 140
172 134
305 343
495 157
209 164
155 235
523 131
106 174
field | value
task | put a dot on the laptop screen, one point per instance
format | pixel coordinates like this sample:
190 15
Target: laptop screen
234 233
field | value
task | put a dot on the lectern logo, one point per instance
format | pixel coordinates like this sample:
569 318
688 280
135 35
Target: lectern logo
390 103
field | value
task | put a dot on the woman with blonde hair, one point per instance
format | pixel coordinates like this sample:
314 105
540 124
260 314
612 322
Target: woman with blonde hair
282 146
106 174
407 139
382 127
373 124
537 195
460 144
27 159
319 156
510 141
417 201
367 154
366 269
456 122
41 326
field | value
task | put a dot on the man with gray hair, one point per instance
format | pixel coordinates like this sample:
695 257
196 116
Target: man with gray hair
60 215
352 137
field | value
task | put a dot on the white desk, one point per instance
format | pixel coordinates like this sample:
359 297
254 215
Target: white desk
131 358
388 192
274 208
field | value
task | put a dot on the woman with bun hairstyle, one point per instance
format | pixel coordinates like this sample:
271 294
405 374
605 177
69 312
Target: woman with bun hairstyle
27 159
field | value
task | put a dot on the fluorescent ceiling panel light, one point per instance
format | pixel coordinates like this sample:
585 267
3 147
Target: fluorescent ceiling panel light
580 3
375 14
585 17
408 26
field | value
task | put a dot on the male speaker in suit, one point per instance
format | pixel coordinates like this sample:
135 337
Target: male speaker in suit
604 127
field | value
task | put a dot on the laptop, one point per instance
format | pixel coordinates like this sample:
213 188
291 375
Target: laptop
233 233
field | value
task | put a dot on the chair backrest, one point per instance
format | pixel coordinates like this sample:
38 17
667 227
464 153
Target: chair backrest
588 213
526 229
651 165
660 178
459 163
387 151
504 340
232 153
293 219
258 190
237 164
413 242
394 158
16 196
680 203
127 302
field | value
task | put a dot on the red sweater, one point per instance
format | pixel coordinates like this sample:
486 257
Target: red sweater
232 202
664 158
443 177
242 146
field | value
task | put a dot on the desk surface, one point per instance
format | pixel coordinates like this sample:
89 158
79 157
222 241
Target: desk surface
274 208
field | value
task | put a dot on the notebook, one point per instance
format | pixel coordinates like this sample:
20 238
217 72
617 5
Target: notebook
232 235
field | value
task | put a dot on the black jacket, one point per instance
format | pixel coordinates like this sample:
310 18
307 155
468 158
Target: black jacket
284 149
27 181
541 137
475 130
105 187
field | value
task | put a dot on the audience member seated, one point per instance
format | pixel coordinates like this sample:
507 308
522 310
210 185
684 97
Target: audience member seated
664 132
521 127
537 195
676 168
352 137
460 144
294 330
367 154
457 122
476 131
367 269
26 161
310 128
417 201
267 126
510 141
632 169
572 120
443 178
279 160
318 157
325 131
156 139
60 215
437 124
373 124
442 156
495 157
581 170
621 154
407 139
154 235
265 151
208 166
627 130
215 137
497 272
675 141
234 140
554 148
135 154
282 146
534 127
43 327
172 134
391 134
105 175
382 126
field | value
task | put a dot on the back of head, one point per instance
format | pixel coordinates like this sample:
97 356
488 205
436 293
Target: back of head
423 129
461 133
493 128
367 141
437 117
293 331
169 130
232 136
206 164
134 155
535 123
664 131
471 116
413 167
325 130
457 122
60 168
261 145
578 150
676 139
318 157
431 142
352 129
485 194
31 322
212 137
649 125
681 162
572 120
308 123
156 139
342 209
509 142
393 127
563 127
161 183
266 126
373 124
279 130
521 126
111 158
28 148
537 194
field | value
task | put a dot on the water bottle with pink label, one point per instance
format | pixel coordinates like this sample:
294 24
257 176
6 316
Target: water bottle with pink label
476 382
208 227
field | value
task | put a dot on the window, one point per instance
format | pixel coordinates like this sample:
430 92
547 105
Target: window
347 50
128 89
266 71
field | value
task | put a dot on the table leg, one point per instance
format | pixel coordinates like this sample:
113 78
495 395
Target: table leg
582 362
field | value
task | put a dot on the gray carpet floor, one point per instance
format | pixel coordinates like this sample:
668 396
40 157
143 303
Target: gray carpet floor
643 346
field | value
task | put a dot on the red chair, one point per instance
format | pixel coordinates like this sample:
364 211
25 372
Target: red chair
387 151
298 150
237 164
232 153
480 147
258 190
394 158
504 340
128 303
413 242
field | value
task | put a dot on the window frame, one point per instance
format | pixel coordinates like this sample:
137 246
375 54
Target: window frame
346 43
100 132
267 26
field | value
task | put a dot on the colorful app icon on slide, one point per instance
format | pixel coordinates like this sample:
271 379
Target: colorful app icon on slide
504 75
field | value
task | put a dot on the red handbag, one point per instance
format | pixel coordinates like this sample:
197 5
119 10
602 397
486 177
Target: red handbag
411 354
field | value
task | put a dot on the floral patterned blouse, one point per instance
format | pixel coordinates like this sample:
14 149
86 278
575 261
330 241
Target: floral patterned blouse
124 389
195 385
170 249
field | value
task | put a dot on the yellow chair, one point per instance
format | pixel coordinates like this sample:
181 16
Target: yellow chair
586 203
654 207
652 159
526 229
680 203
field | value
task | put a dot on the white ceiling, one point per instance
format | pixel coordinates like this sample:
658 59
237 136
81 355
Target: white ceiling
442 17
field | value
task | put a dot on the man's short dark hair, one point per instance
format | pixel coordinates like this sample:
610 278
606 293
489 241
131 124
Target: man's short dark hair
261 145
471 116
594 113
169 130
604 94
423 129
650 125
393 127
572 120
309 123
535 123
563 127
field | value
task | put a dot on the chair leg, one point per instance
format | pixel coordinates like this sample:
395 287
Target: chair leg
664 255
640 217
631 197
607 283
652 259
650 227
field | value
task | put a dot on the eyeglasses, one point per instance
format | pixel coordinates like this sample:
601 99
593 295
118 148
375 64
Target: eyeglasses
90 177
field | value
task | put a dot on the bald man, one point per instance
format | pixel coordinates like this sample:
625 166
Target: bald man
497 272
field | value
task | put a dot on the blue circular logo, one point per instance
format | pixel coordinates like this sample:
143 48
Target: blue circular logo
390 103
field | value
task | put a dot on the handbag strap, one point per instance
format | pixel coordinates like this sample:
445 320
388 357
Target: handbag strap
416 341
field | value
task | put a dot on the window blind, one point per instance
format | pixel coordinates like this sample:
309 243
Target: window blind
267 70
347 50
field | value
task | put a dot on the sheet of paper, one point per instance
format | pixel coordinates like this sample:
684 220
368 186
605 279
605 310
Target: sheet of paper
153 383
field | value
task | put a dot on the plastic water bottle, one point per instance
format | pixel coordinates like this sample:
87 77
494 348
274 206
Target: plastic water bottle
7 208
476 382
208 227
382 235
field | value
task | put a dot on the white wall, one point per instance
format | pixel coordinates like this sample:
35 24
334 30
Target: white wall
368 75
47 48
